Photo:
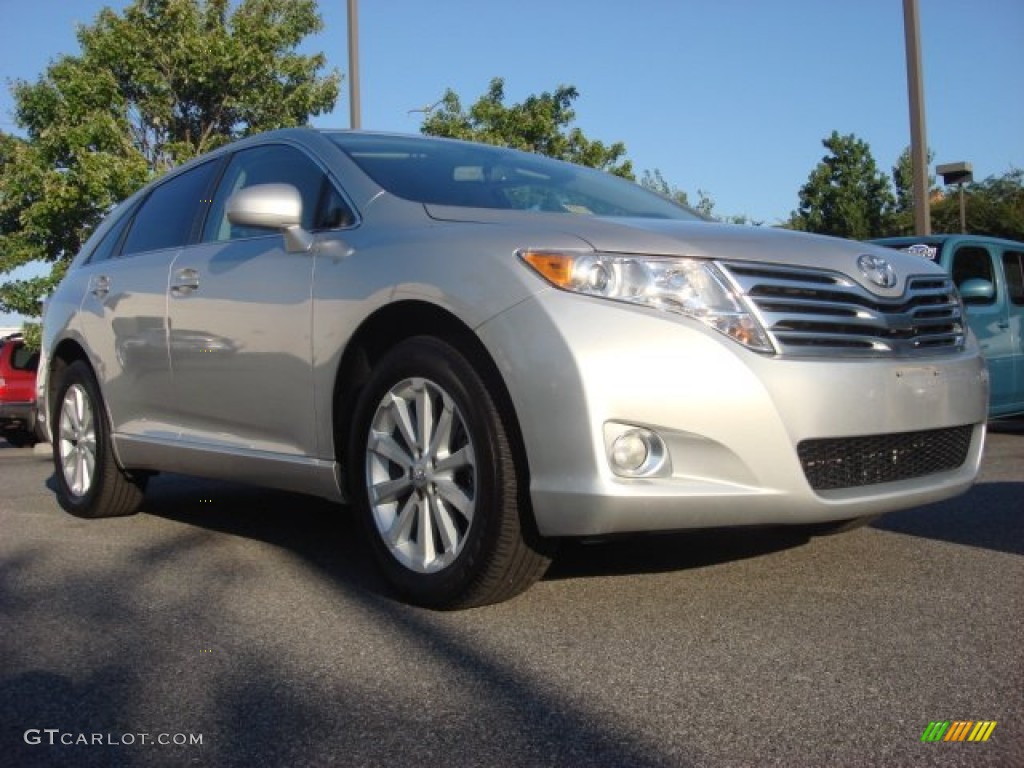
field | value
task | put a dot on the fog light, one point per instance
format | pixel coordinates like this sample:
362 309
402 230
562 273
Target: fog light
637 452
630 451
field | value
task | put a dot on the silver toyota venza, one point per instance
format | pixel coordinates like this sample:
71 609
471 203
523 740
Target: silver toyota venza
484 351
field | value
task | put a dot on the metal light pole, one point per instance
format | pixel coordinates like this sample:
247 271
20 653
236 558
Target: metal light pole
918 140
957 173
355 119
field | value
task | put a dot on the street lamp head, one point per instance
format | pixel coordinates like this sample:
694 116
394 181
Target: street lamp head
955 173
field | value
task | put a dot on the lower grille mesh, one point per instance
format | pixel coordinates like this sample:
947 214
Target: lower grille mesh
850 462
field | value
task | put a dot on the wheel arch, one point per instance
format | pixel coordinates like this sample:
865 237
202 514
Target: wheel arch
64 354
402 320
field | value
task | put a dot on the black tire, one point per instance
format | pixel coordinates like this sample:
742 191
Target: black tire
442 499
89 481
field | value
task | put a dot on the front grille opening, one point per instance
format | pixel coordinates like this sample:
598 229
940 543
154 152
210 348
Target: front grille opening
813 312
853 462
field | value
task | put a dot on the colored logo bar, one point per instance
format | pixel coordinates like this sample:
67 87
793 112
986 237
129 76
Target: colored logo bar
958 730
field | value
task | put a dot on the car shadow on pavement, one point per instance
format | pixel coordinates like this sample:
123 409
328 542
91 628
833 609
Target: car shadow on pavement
1013 426
324 533
990 516
669 552
252 705
328 535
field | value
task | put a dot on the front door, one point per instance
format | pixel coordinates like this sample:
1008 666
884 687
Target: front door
240 319
989 317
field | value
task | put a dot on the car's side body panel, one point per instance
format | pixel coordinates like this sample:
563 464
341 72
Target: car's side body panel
122 317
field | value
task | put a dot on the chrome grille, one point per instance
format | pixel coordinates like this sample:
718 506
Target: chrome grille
852 462
821 312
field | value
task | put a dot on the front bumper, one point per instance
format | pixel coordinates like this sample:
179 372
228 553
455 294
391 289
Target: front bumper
731 419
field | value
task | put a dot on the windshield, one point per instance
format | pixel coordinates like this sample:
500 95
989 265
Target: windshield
446 172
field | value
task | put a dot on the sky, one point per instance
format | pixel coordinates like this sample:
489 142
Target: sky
732 97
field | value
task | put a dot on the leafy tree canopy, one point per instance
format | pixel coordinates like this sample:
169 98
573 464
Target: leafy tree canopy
846 195
994 206
160 83
902 220
538 124
656 182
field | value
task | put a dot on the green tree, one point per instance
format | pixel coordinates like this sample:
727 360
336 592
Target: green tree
656 182
152 87
538 124
846 195
903 183
994 206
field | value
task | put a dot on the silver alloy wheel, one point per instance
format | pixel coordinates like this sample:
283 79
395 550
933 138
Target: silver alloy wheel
77 440
421 475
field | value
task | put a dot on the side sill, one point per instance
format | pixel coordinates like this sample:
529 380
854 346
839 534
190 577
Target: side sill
272 470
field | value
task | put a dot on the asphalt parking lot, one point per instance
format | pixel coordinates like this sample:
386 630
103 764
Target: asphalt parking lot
228 625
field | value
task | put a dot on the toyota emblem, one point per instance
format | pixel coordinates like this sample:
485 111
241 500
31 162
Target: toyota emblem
877 270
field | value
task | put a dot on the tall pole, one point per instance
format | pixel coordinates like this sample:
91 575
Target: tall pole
963 211
355 119
918 140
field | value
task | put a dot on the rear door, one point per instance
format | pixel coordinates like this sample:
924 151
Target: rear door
125 301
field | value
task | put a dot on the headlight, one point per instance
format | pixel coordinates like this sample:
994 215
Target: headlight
692 287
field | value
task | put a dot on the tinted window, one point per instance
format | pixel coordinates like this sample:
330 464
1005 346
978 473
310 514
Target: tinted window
466 174
971 262
24 359
1013 264
167 214
275 164
111 240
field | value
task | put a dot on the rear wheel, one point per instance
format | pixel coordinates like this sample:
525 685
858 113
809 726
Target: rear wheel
436 482
89 481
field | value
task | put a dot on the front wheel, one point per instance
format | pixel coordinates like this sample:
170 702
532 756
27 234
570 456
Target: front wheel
437 484
89 481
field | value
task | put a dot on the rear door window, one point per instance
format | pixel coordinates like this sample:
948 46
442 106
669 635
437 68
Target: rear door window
167 215
112 240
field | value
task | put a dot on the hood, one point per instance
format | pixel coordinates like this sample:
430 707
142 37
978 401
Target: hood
702 239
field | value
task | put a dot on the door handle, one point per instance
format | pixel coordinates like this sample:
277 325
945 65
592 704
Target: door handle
185 282
99 285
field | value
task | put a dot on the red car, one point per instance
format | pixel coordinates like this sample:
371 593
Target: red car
18 366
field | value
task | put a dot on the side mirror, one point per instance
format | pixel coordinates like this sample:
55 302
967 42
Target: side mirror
271 206
977 291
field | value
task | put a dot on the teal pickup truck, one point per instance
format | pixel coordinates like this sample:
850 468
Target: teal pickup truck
989 274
